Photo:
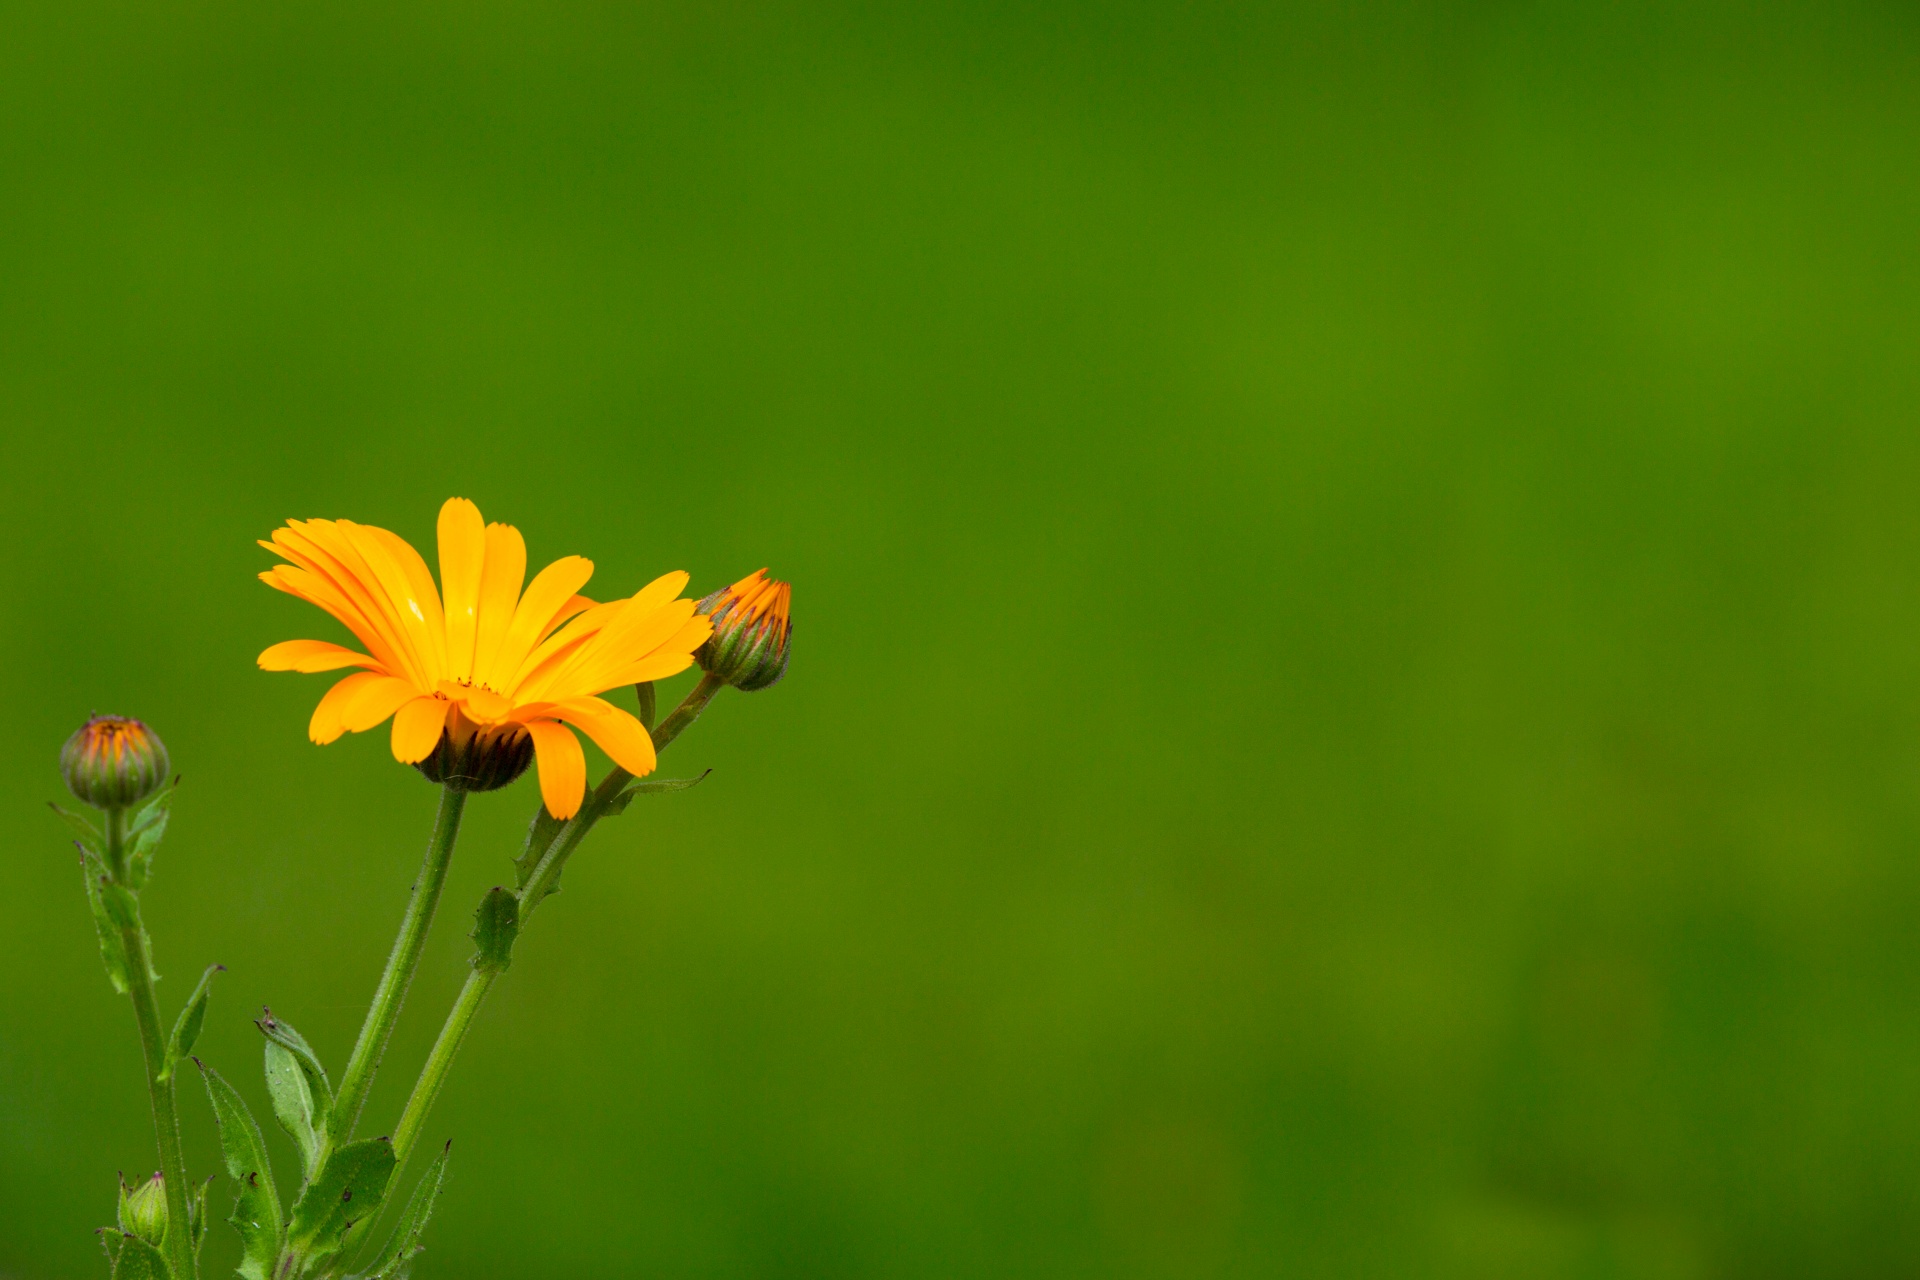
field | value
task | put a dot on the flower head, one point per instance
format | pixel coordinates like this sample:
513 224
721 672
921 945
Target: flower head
111 762
752 633
472 670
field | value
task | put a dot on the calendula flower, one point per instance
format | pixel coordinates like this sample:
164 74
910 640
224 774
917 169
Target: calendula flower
752 632
473 670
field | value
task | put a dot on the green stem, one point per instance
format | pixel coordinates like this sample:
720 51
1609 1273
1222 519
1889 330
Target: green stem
545 872
153 1047
439 1062
405 958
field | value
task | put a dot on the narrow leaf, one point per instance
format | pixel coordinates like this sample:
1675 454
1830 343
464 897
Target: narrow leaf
140 851
396 1261
112 954
289 1039
154 811
186 1029
256 1211
139 1260
348 1188
496 923
111 1239
123 909
123 914
650 787
197 1211
541 833
294 1105
90 838
144 832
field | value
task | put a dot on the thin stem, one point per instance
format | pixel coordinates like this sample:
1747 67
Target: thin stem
153 1047
405 958
547 870
439 1062
478 983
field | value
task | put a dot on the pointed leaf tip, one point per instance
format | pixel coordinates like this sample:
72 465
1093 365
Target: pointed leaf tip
186 1031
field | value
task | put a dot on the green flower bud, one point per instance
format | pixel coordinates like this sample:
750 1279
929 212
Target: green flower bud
470 758
143 1210
111 762
752 632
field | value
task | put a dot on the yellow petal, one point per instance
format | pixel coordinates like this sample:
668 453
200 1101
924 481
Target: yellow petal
613 730
311 656
416 728
558 649
500 579
317 588
626 640
401 573
655 666
463 556
662 589
375 701
545 597
483 705
326 724
330 552
563 767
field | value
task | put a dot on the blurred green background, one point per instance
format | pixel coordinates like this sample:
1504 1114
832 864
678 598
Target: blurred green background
1356 708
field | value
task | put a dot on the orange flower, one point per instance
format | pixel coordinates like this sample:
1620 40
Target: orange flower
490 664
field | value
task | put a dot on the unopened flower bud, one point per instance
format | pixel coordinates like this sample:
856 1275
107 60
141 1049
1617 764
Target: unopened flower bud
752 633
143 1210
111 762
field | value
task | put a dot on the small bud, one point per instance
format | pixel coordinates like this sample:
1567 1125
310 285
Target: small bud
143 1210
111 762
471 758
752 633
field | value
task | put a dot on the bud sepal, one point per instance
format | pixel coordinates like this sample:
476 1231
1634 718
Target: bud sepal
112 762
752 632
143 1210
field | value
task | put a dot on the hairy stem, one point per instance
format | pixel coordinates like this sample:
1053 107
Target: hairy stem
153 1047
405 958
545 872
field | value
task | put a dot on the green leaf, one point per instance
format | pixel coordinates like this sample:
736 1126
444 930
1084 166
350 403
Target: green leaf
123 909
197 1211
154 811
111 1239
650 787
294 1105
139 1260
496 923
298 1085
112 954
256 1211
348 1188
186 1029
396 1261
140 851
90 838
541 833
